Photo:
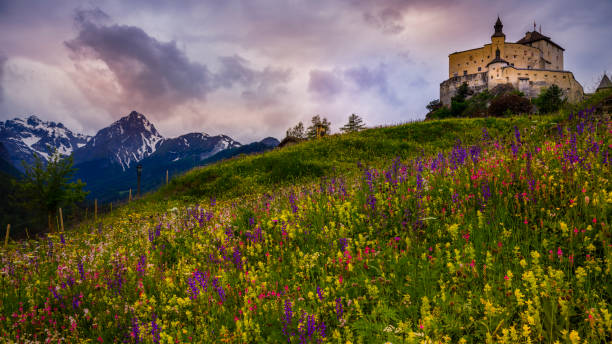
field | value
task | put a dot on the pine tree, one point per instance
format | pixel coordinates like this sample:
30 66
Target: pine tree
324 124
296 132
355 123
47 187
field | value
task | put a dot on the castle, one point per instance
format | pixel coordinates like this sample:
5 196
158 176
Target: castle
532 63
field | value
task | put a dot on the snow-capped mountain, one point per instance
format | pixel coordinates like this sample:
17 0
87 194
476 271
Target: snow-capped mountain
196 146
107 161
23 138
125 142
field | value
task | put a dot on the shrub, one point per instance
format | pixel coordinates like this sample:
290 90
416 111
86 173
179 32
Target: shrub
509 103
550 99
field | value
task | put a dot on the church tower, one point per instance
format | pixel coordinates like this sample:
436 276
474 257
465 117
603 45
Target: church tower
498 39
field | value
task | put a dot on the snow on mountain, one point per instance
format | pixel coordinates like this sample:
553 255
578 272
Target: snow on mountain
125 142
25 137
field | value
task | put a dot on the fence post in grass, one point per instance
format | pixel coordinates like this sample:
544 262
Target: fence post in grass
111 207
61 219
166 177
8 230
95 210
130 199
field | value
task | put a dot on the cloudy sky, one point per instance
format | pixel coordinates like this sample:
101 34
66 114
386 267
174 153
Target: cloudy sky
252 68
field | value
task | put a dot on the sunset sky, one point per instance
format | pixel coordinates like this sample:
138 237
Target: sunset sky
252 68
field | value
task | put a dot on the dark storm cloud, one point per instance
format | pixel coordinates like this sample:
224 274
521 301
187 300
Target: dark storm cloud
324 84
142 65
262 87
366 78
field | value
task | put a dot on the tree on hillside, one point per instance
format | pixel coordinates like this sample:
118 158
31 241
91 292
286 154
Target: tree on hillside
509 104
296 132
550 99
355 123
317 122
47 187
434 105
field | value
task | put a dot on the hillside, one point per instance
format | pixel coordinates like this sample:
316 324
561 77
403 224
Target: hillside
461 230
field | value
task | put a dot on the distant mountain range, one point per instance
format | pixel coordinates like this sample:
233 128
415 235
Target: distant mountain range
107 161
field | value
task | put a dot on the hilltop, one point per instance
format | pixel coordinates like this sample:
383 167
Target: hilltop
458 230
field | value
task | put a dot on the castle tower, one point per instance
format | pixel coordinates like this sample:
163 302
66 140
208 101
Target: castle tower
498 39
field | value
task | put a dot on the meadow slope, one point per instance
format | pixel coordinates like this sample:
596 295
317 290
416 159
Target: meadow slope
462 231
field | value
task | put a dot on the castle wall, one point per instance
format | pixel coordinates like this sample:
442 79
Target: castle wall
551 53
522 56
532 81
476 82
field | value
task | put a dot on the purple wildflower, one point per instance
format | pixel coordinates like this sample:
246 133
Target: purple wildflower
155 331
135 330
339 310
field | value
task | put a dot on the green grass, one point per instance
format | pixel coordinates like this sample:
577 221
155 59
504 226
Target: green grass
336 155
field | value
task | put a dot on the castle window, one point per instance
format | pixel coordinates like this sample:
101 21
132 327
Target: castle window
564 77
479 69
491 76
465 72
488 57
514 56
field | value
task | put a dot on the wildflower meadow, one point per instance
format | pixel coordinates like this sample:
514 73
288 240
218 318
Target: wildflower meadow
502 239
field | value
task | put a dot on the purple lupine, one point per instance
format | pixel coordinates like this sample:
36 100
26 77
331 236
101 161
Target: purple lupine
81 270
142 265
339 310
371 201
135 330
155 331
515 149
294 207
193 288
342 243
219 289
419 184
322 328
75 302
213 201
237 258
486 193
62 240
287 320
320 293
485 134
475 153
517 134
203 280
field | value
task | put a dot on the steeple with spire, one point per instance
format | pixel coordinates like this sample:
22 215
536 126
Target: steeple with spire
498 28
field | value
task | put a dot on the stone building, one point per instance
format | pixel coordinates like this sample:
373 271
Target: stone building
530 64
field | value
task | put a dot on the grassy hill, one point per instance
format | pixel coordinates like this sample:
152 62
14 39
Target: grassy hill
462 231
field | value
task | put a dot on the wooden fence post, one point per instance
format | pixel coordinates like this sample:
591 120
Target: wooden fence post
8 230
96 210
61 219
166 177
130 195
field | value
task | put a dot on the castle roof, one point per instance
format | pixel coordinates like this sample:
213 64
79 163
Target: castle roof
534 36
498 28
496 60
605 83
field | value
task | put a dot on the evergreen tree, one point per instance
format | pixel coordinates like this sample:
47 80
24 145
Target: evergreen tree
550 99
355 123
47 187
324 124
296 132
434 105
